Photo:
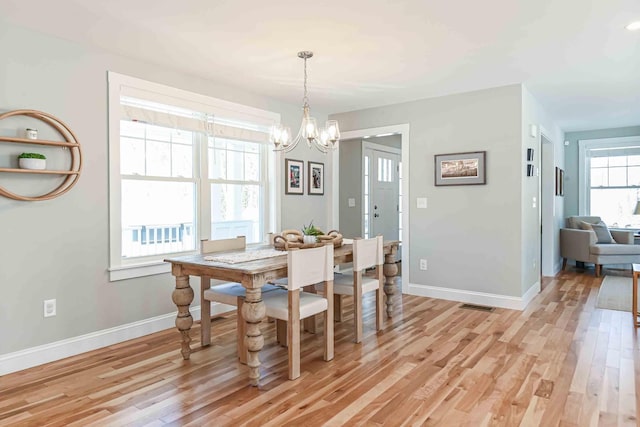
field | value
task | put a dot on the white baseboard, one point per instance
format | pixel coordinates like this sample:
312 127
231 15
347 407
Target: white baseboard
557 267
479 298
530 294
34 356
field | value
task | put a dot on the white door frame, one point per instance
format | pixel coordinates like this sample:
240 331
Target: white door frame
547 204
334 204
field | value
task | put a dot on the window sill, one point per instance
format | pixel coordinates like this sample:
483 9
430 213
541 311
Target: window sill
138 270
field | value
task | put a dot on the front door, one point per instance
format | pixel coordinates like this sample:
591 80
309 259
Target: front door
384 185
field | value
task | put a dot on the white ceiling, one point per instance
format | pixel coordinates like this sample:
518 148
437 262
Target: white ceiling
575 56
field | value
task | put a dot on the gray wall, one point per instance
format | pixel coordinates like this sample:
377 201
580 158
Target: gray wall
475 238
298 210
571 163
59 248
466 234
350 173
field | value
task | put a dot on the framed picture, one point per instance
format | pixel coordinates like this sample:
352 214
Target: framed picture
294 176
460 168
316 178
530 170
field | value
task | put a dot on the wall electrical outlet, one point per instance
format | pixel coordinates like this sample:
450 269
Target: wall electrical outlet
49 307
423 264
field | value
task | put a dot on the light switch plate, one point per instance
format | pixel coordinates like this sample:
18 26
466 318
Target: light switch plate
422 202
352 202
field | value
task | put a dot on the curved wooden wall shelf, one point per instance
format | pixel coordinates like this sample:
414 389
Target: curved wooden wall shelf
70 141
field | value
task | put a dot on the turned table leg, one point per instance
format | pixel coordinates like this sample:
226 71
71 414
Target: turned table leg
253 311
390 270
182 297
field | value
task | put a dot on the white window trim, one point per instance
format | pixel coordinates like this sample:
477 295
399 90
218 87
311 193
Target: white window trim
119 270
584 165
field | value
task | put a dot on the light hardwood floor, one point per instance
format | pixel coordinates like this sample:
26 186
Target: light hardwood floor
561 362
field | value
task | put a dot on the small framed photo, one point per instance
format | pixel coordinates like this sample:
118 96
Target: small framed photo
559 182
530 154
316 178
530 170
460 168
294 177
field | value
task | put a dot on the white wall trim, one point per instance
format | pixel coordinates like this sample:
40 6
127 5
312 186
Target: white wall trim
34 356
531 293
547 198
130 271
557 267
479 298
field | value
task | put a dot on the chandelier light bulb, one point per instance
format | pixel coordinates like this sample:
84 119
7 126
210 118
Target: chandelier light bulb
310 128
286 134
324 137
333 130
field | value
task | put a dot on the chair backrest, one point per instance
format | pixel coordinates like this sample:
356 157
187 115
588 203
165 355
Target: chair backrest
309 266
367 253
208 246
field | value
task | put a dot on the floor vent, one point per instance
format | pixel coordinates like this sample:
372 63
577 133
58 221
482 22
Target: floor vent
477 307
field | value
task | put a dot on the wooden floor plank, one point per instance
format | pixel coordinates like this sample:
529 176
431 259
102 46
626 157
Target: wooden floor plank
560 362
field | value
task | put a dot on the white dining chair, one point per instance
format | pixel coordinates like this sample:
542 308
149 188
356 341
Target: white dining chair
305 267
367 253
230 293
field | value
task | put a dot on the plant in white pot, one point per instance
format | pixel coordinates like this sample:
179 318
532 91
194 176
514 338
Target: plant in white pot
35 161
310 233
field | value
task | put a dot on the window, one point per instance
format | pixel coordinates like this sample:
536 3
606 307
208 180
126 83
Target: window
183 167
610 180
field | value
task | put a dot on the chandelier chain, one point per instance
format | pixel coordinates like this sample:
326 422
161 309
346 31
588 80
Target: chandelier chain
305 98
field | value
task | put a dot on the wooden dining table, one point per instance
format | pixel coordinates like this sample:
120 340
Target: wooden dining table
253 275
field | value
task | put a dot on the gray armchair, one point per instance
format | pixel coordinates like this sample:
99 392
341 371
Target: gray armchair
582 245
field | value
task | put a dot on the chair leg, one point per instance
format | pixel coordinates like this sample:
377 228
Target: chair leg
241 327
310 322
281 332
337 307
379 298
564 264
328 323
598 269
357 306
293 334
205 313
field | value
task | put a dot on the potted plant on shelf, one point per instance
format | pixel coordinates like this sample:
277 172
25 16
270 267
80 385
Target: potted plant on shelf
310 233
35 161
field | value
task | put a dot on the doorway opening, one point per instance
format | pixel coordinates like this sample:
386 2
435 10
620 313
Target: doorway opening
369 194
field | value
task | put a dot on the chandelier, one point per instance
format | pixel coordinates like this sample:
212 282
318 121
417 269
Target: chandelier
324 140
